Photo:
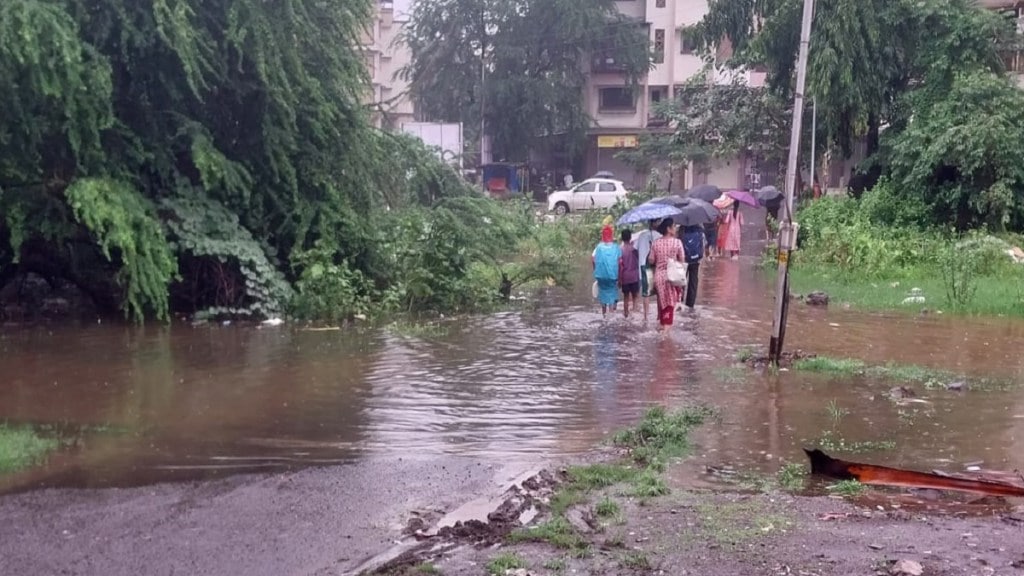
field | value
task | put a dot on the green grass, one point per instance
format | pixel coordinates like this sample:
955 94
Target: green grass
23 447
504 562
597 476
557 565
557 532
607 508
637 560
408 328
791 476
848 488
662 435
996 295
831 441
649 484
427 568
746 354
835 412
928 377
826 365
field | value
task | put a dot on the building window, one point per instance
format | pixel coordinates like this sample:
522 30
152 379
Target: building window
657 95
686 43
617 99
659 46
659 4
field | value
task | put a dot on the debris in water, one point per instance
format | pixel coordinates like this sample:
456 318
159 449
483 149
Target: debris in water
824 465
817 299
901 392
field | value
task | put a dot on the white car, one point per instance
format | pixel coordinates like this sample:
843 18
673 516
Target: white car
591 194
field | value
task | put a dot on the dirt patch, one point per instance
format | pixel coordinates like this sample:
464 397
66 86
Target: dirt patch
713 533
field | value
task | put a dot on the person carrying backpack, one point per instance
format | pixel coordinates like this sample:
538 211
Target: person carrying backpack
693 246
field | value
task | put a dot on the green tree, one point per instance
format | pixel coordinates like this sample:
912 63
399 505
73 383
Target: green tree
170 154
519 63
713 121
962 155
864 53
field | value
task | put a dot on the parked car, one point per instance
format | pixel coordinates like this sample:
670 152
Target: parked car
591 194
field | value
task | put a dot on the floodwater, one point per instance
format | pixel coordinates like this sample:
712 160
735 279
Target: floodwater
151 404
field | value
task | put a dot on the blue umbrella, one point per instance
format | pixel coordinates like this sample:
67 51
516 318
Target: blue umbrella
648 211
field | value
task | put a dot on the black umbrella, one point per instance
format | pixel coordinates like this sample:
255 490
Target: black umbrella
705 192
695 212
768 195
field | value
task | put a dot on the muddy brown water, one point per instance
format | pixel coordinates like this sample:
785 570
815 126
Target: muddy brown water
152 404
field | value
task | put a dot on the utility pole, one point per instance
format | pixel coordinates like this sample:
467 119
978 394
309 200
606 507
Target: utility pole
814 138
788 228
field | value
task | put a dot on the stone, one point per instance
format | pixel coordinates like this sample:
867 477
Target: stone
906 568
956 386
817 299
579 519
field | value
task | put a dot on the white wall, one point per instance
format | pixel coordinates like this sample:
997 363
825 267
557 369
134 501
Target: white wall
389 56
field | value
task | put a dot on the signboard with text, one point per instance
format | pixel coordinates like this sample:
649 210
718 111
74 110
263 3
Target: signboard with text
628 141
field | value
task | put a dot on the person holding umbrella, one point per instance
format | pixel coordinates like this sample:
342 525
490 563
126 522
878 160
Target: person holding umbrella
651 213
735 220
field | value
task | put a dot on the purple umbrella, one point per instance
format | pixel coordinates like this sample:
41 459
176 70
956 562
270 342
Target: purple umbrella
743 197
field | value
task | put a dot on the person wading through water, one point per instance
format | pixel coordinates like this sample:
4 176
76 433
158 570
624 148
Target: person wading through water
643 242
629 273
693 245
666 248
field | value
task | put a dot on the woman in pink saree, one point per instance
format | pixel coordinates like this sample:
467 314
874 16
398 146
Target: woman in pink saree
733 236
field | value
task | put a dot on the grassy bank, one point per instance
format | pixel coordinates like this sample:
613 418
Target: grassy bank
22 447
996 295
877 254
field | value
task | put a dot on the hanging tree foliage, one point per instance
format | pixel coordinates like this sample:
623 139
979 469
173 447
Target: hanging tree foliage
156 152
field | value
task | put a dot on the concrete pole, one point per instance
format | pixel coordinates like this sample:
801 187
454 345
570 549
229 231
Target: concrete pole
814 138
788 228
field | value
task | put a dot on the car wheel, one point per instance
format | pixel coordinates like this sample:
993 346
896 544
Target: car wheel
561 209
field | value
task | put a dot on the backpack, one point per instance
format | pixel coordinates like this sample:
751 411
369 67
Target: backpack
693 245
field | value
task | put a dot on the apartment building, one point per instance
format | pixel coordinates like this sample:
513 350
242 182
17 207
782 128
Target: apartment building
385 56
621 115
1013 59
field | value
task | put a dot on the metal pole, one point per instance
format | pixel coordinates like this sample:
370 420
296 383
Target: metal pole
814 138
787 229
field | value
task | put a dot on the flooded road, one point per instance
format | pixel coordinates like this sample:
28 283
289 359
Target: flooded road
153 404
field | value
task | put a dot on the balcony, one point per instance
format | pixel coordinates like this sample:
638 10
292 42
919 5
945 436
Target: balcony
606 63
